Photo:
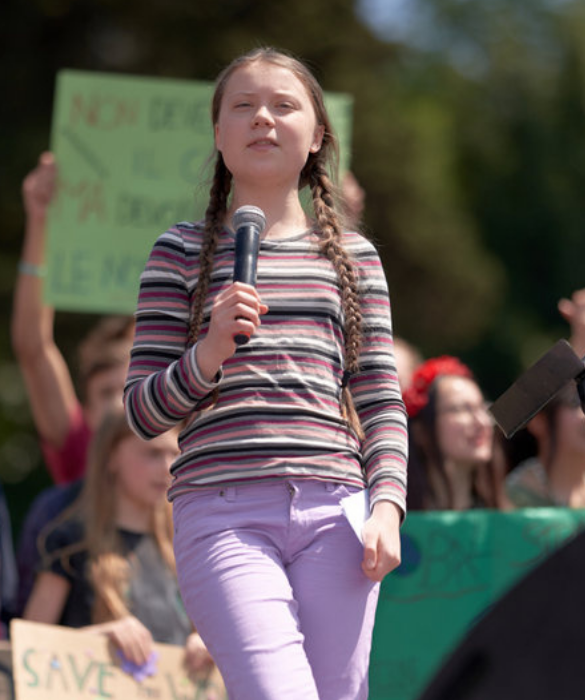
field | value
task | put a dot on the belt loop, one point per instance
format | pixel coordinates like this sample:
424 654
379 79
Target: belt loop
329 486
231 493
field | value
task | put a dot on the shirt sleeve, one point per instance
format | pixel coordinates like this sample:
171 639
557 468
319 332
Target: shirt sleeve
62 554
67 463
164 384
376 392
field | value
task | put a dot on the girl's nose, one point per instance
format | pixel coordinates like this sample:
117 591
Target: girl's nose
484 418
262 116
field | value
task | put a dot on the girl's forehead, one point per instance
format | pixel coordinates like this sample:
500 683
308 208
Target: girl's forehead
457 387
264 75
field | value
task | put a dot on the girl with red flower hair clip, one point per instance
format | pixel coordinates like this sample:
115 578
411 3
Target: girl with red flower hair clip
453 463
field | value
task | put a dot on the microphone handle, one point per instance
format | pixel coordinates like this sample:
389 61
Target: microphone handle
245 263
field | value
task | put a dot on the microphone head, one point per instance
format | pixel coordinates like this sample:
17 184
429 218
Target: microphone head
249 215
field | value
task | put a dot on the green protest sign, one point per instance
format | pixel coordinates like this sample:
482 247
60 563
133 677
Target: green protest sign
132 155
454 567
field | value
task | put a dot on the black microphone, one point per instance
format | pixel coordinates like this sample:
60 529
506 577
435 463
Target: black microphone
248 222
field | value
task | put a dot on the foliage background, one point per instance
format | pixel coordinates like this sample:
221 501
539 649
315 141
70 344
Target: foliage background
469 139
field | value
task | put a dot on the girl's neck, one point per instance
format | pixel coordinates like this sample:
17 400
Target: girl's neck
133 517
285 216
461 480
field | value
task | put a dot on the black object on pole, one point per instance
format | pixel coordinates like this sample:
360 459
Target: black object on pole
529 644
537 386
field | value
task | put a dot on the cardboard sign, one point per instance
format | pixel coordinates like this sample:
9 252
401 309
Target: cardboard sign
134 158
5 670
58 663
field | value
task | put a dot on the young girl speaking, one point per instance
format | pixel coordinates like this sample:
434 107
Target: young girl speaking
279 430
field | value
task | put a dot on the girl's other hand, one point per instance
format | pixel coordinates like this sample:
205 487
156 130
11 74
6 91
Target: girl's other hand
381 534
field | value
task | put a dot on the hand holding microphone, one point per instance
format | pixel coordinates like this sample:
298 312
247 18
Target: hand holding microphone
248 222
233 302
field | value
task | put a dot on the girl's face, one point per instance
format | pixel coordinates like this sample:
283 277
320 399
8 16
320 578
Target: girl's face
142 469
464 426
267 125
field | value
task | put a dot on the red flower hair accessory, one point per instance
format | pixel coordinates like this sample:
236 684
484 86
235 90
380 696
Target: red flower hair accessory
416 396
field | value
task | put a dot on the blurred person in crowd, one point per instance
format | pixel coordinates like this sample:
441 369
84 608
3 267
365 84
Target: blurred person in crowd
353 201
406 355
408 358
573 311
452 462
107 561
63 421
554 475
8 574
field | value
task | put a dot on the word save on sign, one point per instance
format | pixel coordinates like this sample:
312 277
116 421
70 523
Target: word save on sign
50 662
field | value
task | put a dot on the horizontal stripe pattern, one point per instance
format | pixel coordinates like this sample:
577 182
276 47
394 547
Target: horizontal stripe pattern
278 412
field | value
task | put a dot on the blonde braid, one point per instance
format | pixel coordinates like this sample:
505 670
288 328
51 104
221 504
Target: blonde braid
214 215
331 246
218 198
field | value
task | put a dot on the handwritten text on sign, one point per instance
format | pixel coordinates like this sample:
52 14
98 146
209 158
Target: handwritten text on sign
133 156
57 662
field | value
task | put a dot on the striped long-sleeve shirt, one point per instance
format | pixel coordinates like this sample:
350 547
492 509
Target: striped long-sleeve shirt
278 411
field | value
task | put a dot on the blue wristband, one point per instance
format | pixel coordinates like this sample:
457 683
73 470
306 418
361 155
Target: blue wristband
26 268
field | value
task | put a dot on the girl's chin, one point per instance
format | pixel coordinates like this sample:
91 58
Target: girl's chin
474 460
482 457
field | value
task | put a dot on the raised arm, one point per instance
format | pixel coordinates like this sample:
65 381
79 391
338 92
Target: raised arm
47 378
573 311
47 599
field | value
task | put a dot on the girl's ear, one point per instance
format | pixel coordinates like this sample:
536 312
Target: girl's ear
317 139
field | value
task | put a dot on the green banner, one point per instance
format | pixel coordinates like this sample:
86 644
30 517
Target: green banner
133 156
454 567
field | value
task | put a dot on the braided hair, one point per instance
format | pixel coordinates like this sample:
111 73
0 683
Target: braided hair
315 175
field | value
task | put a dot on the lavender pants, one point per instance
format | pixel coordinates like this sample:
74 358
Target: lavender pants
271 577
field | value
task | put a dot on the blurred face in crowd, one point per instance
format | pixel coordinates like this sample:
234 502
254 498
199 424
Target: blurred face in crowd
104 388
464 426
407 360
141 470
